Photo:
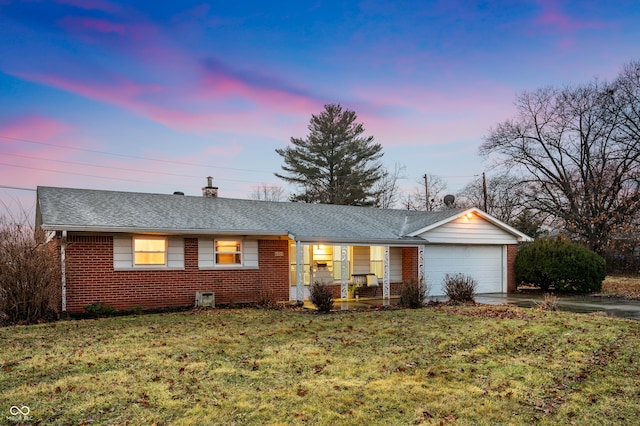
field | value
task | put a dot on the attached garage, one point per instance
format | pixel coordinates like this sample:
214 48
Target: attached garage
484 263
474 244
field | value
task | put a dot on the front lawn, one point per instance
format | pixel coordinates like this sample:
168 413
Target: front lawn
462 365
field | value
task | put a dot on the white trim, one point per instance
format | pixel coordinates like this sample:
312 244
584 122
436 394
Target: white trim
421 265
299 273
386 283
124 253
344 272
240 251
505 268
249 255
135 265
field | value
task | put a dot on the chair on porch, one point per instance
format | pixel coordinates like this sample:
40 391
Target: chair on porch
372 281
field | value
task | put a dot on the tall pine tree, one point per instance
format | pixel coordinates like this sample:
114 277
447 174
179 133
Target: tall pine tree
334 164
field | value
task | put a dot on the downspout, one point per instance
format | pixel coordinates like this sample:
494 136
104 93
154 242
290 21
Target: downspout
299 274
63 270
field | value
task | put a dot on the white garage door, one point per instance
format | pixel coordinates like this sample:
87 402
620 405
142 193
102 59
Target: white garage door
483 263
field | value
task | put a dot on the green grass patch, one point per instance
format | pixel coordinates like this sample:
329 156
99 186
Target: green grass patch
462 365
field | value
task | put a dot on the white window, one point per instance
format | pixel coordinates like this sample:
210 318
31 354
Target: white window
228 252
149 251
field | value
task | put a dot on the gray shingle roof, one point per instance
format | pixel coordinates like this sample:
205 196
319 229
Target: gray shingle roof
113 211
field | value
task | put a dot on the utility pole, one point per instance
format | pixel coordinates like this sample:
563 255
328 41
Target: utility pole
426 192
484 191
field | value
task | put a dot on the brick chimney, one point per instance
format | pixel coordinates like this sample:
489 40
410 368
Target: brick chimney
210 190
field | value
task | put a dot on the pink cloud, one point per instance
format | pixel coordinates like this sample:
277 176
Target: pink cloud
100 5
225 151
119 91
190 108
30 146
33 127
413 115
554 18
76 24
220 81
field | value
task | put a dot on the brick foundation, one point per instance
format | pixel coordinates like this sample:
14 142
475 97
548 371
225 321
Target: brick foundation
364 291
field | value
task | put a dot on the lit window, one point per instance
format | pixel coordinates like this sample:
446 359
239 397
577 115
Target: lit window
376 256
150 251
228 252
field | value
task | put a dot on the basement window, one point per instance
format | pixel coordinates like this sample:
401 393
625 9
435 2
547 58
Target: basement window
149 251
228 252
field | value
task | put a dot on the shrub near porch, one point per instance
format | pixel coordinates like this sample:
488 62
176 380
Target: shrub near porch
468 365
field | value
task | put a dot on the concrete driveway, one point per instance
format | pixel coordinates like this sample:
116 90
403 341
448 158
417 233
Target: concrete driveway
614 307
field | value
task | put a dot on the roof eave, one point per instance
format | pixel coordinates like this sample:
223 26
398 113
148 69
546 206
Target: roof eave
166 231
359 241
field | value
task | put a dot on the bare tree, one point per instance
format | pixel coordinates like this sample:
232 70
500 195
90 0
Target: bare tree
428 195
578 149
504 196
266 192
386 189
29 271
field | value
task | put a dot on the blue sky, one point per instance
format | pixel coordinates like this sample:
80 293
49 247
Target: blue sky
155 96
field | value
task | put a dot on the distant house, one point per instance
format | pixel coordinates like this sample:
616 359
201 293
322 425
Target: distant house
152 251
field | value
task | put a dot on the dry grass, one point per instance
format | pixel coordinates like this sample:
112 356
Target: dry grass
549 303
628 287
462 365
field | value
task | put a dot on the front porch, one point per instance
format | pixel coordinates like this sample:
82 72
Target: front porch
376 272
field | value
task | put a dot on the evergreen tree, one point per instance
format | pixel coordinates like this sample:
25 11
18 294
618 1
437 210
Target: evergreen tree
335 163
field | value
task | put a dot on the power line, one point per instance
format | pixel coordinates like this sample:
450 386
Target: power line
135 157
79 163
75 174
112 178
17 187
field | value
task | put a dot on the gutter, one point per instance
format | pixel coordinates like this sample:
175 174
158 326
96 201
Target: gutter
164 231
364 242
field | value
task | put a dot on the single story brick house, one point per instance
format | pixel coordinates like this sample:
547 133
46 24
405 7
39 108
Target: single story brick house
130 250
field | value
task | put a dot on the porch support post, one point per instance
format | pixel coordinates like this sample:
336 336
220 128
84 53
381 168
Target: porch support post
386 285
299 273
421 271
63 270
344 272
421 264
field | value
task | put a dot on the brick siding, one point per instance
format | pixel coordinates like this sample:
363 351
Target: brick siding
91 277
409 263
512 251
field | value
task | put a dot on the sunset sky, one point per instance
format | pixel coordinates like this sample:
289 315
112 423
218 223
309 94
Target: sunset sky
155 96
